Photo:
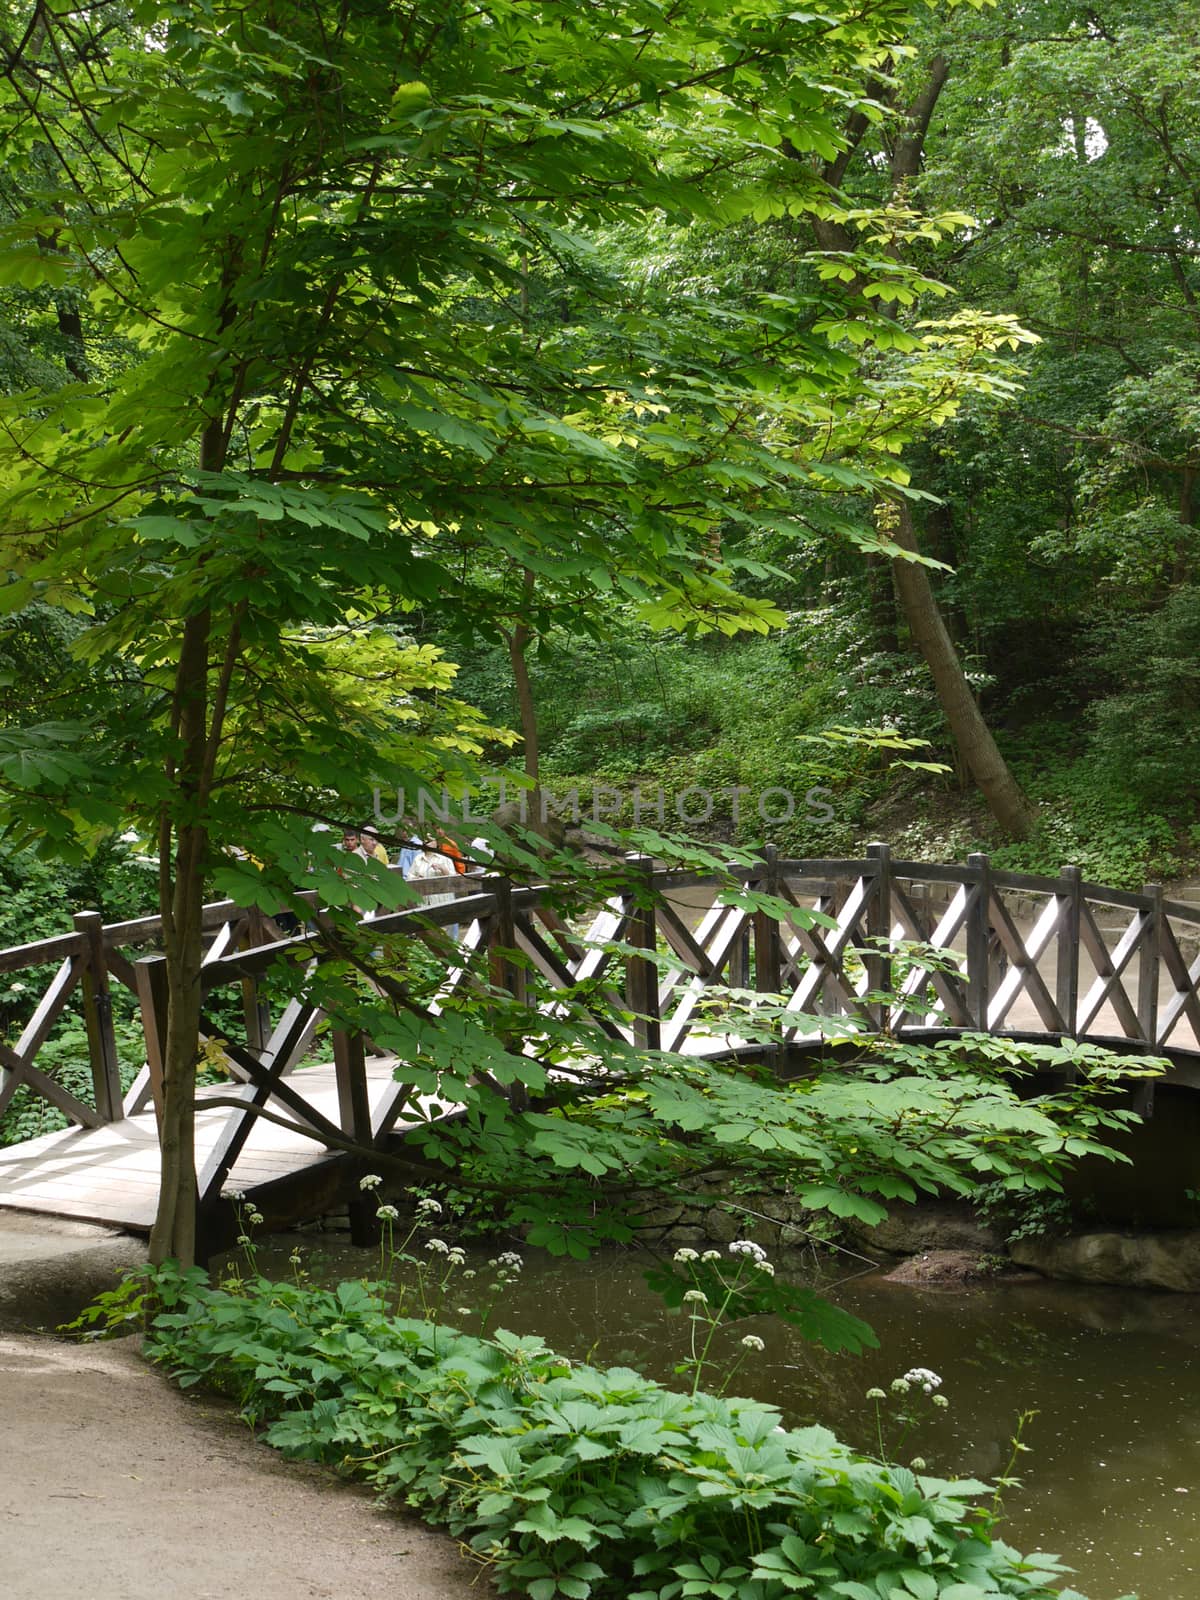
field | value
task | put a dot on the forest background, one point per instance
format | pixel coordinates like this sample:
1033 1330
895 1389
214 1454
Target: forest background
629 444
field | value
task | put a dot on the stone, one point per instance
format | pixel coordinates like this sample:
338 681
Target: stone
952 1269
930 1225
1166 1260
722 1226
662 1216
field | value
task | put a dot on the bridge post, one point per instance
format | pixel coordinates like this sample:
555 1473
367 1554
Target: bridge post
503 970
767 942
641 976
1066 986
354 1118
255 1010
879 927
1149 962
98 1018
150 974
979 941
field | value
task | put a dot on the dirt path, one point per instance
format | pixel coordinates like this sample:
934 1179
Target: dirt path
115 1486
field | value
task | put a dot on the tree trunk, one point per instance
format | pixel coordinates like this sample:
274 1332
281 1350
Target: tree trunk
518 644
914 591
999 788
181 905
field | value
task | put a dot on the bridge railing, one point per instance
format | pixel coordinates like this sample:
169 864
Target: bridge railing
897 945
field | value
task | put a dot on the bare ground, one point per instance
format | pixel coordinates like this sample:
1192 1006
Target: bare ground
115 1486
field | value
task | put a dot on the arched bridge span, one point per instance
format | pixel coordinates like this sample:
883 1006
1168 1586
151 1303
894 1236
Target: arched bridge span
914 948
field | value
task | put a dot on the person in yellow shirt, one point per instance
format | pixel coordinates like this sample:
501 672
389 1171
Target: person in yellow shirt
376 850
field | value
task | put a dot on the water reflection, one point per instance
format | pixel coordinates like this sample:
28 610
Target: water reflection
1115 1464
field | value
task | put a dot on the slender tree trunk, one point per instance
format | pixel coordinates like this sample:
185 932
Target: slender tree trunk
181 905
987 766
196 723
914 592
518 644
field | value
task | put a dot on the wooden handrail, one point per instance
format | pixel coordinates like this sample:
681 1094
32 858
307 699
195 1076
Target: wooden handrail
875 897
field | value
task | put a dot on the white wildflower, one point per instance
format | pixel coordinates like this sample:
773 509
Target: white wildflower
747 1247
427 1206
236 1196
243 1239
765 1266
685 1255
923 1378
371 1180
470 1273
695 1297
462 1311
752 1342
438 1246
456 1256
940 1400
254 1218
876 1394
899 1386
918 1463
387 1213
510 1259
295 1258
711 1255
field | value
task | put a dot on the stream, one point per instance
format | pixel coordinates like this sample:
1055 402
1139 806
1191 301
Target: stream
1113 1468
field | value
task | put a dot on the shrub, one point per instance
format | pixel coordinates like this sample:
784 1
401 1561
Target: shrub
581 1482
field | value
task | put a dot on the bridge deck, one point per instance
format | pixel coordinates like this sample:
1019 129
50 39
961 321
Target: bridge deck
111 1174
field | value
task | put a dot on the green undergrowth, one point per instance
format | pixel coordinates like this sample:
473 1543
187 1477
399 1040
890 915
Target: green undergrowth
569 1480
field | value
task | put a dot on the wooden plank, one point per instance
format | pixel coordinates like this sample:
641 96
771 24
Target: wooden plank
641 975
98 1018
1066 982
1149 963
150 977
1023 974
62 947
1109 968
768 953
17 1071
50 1007
826 953
1184 1000
979 940
940 936
725 927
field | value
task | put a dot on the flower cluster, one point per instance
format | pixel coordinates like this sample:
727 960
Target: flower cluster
369 1181
387 1213
427 1206
753 1254
923 1379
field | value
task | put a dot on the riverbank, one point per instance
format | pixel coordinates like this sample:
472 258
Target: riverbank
119 1487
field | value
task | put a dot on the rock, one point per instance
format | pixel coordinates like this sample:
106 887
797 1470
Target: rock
722 1226
662 1216
951 1269
1167 1260
933 1225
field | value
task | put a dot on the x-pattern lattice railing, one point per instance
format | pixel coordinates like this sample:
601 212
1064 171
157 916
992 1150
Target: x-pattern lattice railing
893 944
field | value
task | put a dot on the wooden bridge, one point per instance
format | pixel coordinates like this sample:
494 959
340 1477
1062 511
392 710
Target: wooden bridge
957 948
